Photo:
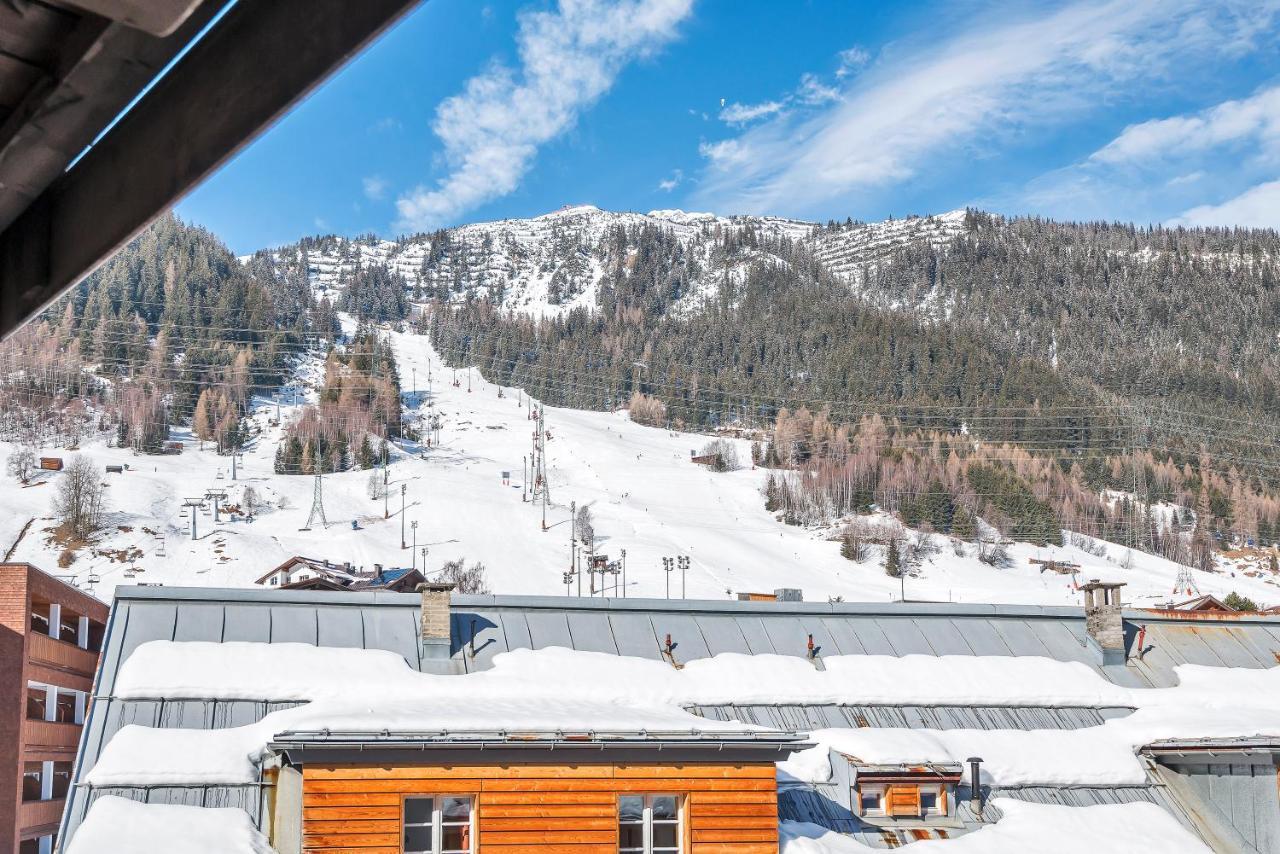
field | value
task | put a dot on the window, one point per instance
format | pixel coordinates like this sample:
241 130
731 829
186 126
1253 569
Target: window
61 779
438 825
37 698
902 800
31 780
649 824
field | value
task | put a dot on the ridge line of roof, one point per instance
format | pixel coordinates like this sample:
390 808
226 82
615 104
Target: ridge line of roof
674 606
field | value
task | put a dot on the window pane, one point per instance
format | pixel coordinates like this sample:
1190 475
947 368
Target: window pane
664 806
631 836
29 846
870 801
418 810
456 838
631 808
417 839
36 698
455 809
665 836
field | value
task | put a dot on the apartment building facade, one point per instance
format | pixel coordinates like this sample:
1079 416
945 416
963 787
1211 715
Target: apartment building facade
50 638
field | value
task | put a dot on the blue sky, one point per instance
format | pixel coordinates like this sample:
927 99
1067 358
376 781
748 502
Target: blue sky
1131 110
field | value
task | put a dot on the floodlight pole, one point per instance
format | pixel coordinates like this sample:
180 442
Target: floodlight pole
403 487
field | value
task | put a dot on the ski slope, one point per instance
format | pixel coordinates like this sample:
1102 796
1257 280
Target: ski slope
644 494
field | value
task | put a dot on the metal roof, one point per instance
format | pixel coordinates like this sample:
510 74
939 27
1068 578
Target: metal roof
807 717
484 626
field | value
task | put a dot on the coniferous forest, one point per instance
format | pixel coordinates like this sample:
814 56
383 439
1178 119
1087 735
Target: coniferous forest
1021 371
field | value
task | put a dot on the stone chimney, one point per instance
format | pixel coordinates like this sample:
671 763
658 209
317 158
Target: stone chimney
435 615
1103 621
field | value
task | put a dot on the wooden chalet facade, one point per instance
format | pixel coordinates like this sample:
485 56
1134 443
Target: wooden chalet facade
586 793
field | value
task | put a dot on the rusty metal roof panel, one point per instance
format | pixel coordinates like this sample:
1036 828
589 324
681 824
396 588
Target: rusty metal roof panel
834 716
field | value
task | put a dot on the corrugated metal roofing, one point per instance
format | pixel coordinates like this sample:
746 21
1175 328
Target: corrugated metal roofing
800 717
484 626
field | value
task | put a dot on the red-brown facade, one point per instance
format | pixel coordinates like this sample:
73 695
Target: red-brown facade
50 635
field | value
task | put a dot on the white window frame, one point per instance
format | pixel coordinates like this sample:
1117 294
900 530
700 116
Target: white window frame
437 821
878 791
646 819
937 792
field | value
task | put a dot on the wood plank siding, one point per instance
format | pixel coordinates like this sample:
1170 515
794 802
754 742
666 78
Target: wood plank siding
552 809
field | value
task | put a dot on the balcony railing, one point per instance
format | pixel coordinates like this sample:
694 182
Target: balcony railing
61 654
50 735
33 814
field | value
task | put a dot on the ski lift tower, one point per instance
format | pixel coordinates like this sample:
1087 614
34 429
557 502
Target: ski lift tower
192 505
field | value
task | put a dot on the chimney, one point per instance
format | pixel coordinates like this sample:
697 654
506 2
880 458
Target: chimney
435 616
975 785
1103 620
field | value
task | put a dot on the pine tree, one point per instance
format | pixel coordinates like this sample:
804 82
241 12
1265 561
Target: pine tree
892 560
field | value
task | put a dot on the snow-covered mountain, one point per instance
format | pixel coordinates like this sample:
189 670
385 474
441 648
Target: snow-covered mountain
552 263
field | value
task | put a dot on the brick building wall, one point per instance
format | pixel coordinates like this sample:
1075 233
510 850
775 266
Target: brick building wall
66 665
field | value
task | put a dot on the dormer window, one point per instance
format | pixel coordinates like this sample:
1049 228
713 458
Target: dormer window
901 795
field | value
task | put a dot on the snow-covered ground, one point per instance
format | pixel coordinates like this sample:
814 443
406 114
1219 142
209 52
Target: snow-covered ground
645 496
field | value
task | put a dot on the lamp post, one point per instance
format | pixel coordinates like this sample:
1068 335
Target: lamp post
413 555
683 560
668 564
403 487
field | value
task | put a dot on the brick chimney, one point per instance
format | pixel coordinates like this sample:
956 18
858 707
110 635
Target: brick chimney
1103 621
436 630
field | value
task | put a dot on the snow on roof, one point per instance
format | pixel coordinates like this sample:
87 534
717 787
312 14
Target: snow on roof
283 671
122 826
146 756
556 688
1043 828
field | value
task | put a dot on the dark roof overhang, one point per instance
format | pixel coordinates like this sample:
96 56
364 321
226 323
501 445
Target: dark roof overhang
500 747
78 180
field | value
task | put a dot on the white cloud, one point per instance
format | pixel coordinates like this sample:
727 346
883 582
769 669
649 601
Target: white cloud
810 92
851 60
813 91
666 185
736 114
375 188
1257 207
961 95
569 57
1255 120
